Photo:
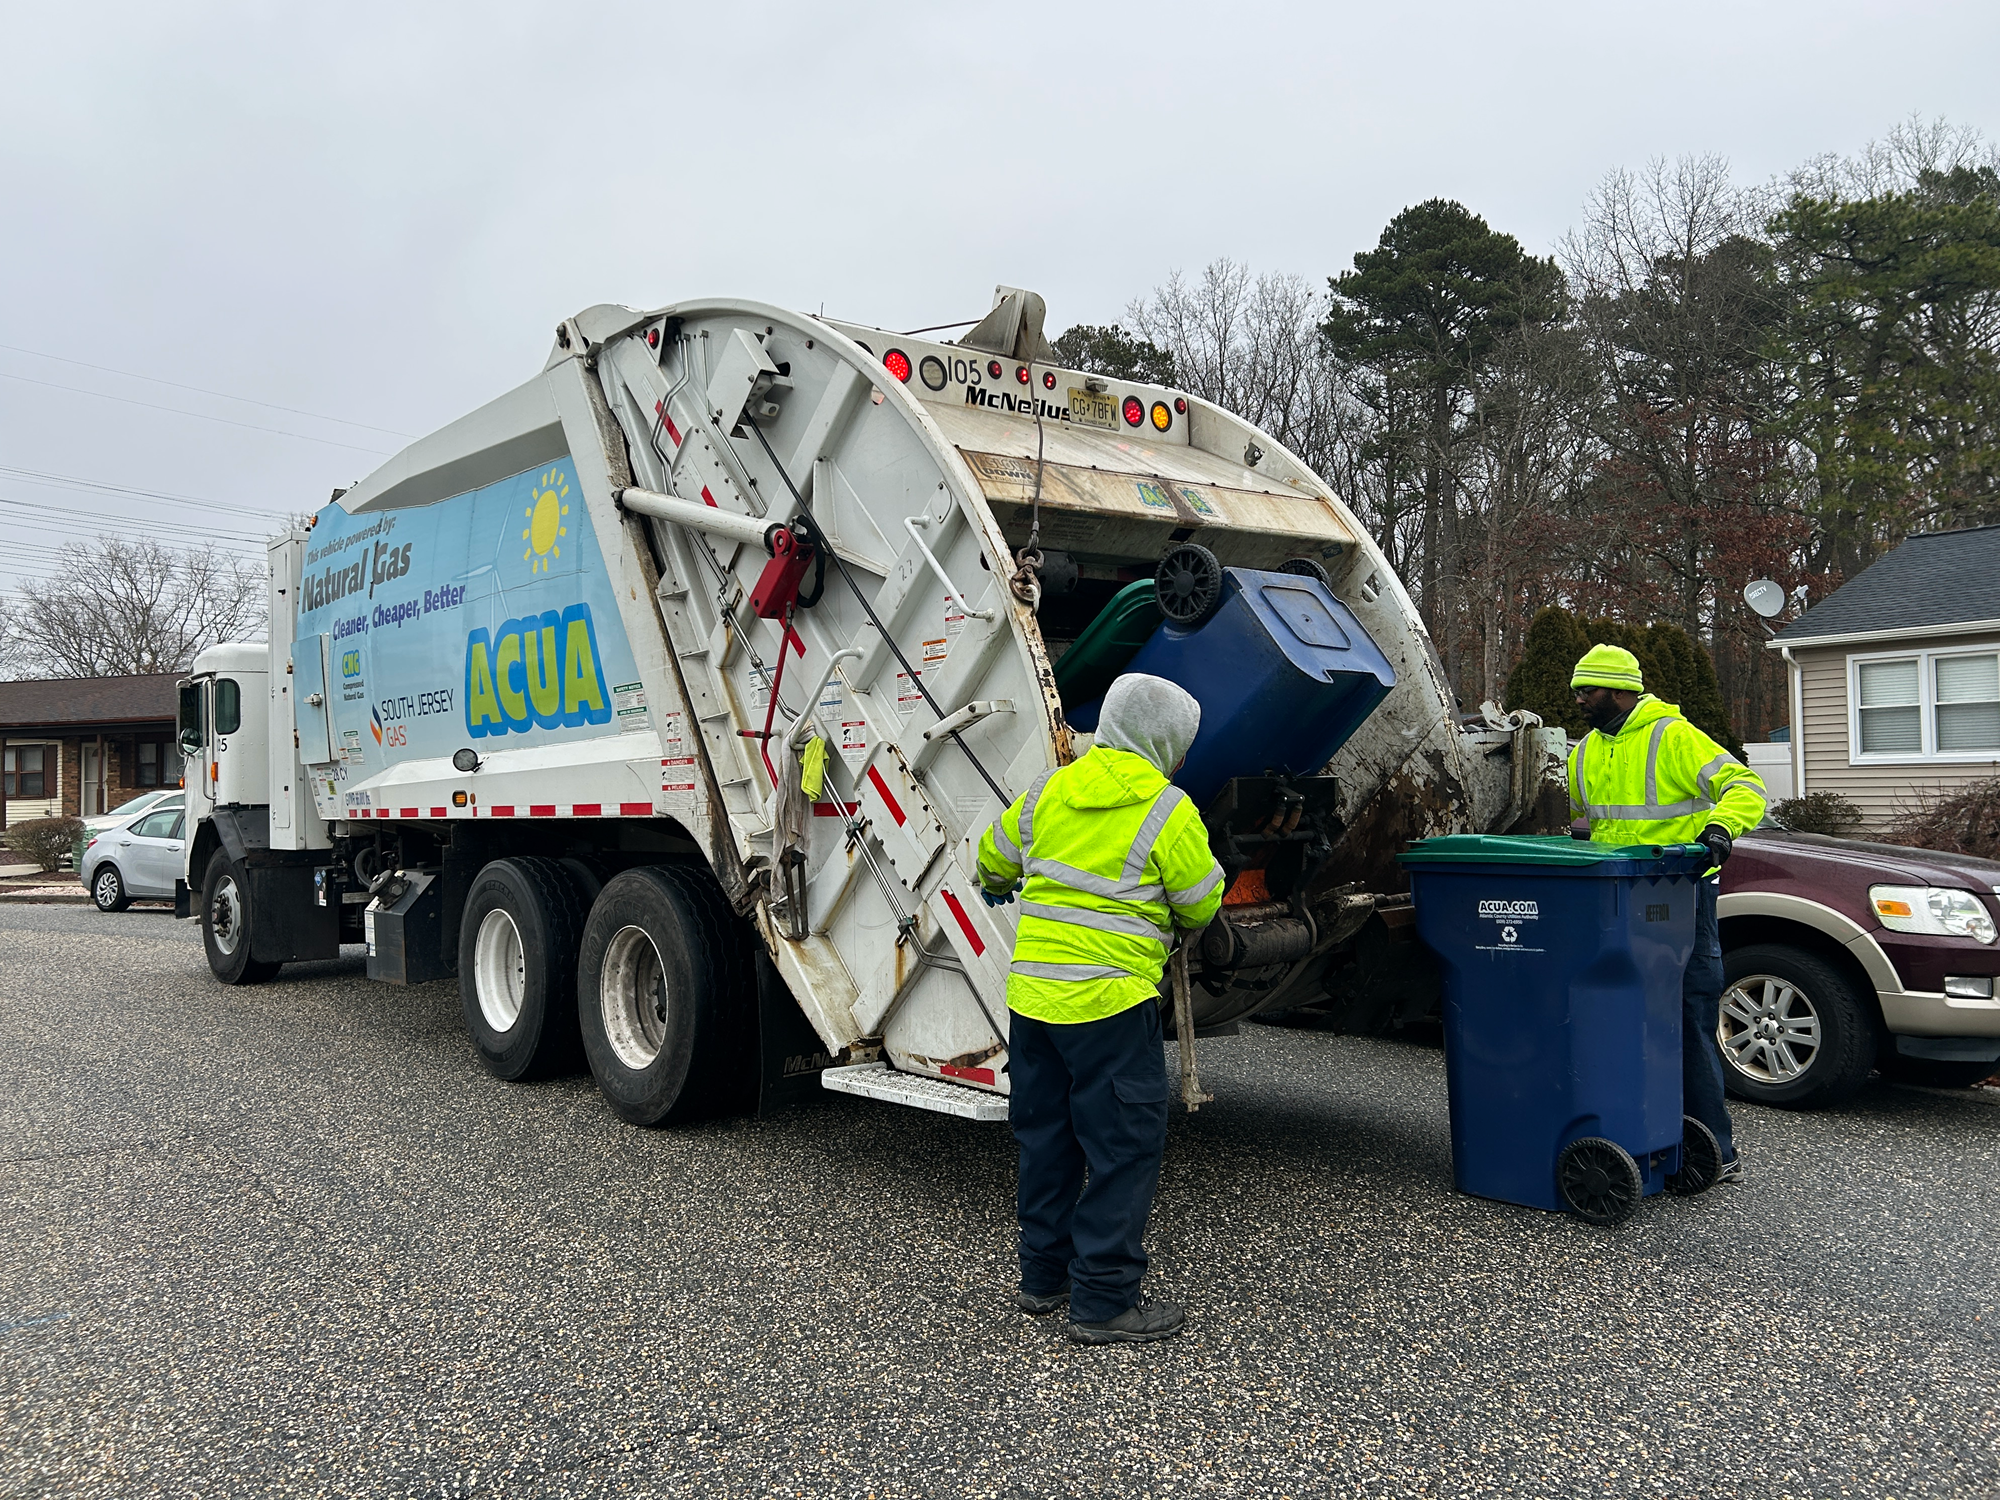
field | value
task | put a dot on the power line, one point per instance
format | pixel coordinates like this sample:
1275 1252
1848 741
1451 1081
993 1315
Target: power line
305 437
75 482
204 391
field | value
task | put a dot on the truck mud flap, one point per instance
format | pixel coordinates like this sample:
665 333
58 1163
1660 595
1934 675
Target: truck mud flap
285 923
790 1054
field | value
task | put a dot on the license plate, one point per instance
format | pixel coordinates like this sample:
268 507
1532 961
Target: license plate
1093 408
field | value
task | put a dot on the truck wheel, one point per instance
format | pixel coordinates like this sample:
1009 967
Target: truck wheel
517 967
1933 1072
664 995
107 888
1793 1030
225 923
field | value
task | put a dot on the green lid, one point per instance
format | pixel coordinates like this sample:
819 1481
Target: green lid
1538 849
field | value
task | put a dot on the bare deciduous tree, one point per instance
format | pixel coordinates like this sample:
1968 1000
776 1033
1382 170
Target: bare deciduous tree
116 607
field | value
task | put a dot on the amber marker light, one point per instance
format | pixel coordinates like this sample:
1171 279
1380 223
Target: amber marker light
1162 418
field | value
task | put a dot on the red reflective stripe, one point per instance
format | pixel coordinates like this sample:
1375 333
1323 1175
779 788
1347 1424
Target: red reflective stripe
381 812
506 811
437 812
541 809
835 809
882 786
410 812
587 809
660 409
635 809
976 1075
707 498
971 934
351 813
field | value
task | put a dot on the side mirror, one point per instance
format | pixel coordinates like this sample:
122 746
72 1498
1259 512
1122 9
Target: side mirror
465 760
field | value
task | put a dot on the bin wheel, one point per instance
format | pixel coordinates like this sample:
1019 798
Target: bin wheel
1189 585
1307 567
1701 1160
1598 1180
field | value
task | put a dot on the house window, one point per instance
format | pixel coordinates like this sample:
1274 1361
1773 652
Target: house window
26 771
149 763
1926 705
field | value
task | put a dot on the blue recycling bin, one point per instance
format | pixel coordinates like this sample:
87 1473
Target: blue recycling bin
1562 964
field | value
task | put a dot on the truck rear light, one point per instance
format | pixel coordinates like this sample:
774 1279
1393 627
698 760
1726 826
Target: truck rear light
1180 405
1021 374
994 368
897 363
1048 380
1135 411
1162 418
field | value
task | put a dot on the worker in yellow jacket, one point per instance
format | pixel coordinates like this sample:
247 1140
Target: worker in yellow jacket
1116 860
1644 775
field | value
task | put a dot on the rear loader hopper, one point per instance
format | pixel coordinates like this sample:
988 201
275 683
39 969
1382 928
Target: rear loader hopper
540 687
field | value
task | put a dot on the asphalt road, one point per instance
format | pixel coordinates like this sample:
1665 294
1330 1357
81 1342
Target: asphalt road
292 1240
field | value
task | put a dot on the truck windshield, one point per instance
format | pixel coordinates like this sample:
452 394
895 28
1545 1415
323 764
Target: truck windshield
194 726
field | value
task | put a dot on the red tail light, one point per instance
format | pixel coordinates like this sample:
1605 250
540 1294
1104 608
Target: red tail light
993 368
1135 411
897 363
1021 374
1048 380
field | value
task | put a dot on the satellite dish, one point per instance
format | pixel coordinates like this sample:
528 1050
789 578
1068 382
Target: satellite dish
1765 597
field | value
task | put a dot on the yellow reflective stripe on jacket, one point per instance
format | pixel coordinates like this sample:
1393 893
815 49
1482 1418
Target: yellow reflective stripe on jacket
1667 793
1115 858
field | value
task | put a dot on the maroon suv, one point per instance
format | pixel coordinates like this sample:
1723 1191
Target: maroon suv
1844 956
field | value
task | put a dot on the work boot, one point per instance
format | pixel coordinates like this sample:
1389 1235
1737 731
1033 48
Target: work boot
1143 1324
1039 1304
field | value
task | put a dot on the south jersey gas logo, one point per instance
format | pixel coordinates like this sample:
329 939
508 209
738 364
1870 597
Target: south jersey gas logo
538 672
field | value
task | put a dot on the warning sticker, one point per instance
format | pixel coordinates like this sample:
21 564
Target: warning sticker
853 741
673 726
677 773
908 694
954 618
628 706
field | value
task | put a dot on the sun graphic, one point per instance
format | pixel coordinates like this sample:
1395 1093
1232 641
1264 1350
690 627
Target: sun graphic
545 521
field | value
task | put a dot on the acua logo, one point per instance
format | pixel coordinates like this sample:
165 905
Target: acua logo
539 672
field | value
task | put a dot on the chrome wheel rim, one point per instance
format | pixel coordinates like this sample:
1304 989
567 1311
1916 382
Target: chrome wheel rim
499 970
225 915
632 997
1768 1029
107 887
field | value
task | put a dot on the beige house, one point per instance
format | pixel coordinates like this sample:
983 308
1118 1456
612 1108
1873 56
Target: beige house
1895 676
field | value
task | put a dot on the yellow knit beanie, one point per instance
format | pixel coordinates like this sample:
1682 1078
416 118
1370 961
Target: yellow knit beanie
1608 666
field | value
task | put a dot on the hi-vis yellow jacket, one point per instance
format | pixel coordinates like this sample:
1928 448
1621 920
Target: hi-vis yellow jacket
1116 857
1660 780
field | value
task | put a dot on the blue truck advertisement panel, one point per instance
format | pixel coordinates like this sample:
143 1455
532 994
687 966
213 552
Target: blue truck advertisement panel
484 620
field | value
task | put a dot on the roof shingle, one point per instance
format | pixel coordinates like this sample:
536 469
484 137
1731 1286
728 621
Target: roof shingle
1941 579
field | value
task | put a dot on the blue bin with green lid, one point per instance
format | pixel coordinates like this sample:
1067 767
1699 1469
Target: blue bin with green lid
1562 965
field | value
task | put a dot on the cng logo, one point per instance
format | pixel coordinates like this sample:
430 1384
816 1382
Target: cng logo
350 664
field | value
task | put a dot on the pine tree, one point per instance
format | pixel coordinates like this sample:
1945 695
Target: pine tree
1540 680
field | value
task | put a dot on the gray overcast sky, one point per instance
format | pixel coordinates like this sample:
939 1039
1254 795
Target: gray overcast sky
378 212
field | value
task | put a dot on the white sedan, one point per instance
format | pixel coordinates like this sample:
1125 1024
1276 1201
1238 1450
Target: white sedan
141 857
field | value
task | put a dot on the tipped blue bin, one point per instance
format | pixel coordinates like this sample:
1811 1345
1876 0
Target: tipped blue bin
1562 965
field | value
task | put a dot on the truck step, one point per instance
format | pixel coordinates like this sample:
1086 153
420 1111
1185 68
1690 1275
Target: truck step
880 1081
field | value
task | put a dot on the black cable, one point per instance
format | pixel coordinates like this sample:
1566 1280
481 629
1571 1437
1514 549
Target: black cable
820 541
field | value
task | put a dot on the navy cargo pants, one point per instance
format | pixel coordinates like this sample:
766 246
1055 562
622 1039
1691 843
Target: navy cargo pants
1701 1003
1089 1111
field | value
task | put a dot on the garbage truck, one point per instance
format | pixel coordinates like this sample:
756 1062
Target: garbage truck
663 699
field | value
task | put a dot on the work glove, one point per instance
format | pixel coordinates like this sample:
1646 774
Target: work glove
997 898
1719 843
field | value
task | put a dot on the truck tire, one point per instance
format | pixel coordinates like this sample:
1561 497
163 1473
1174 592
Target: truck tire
1933 1072
664 992
1794 1031
226 926
517 967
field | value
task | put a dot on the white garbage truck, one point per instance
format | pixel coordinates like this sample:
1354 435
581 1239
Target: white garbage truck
663 701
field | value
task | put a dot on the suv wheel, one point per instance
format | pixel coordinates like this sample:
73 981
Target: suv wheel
1793 1030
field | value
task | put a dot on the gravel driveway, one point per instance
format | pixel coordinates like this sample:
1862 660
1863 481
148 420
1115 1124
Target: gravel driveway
292 1240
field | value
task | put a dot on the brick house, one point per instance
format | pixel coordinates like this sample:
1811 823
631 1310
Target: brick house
84 745
1895 676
